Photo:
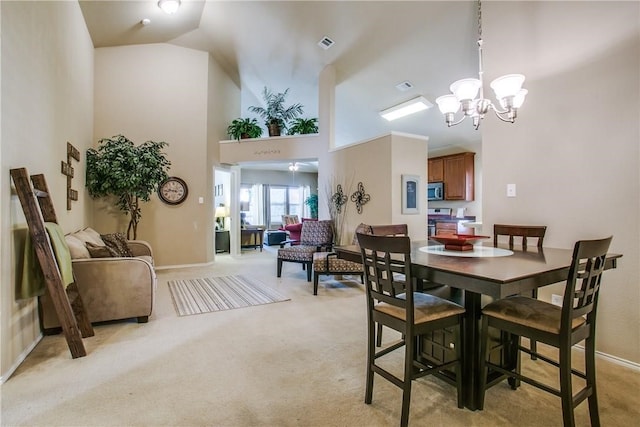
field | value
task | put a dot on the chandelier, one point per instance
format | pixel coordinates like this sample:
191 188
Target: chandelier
508 91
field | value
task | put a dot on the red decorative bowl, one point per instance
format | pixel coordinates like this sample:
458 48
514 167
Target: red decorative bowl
458 242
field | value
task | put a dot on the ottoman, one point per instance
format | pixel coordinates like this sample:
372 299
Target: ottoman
274 237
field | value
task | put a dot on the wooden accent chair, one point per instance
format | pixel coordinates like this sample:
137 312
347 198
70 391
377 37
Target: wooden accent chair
560 327
522 231
328 263
315 236
392 302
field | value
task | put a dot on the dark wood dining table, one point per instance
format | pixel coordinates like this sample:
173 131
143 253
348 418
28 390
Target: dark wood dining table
495 277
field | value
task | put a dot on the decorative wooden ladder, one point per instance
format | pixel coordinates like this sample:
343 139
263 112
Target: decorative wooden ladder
67 302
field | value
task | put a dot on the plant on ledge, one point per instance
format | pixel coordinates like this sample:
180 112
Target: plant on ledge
274 113
304 126
244 128
130 173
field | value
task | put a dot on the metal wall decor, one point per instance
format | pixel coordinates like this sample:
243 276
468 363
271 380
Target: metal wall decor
67 169
338 199
360 198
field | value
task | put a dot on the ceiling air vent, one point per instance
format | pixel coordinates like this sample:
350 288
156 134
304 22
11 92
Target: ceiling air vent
325 43
406 85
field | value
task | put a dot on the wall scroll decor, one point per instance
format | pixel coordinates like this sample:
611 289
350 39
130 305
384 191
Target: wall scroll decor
338 199
360 198
410 194
67 169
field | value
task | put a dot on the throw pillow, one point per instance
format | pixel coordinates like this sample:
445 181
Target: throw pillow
77 248
98 251
290 219
88 236
95 236
117 242
362 228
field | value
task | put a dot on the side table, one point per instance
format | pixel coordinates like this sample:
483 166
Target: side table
222 241
251 238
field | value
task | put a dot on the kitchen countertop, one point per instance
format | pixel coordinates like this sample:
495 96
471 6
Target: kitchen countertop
454 219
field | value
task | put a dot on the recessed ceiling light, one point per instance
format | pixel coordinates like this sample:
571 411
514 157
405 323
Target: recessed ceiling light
414 105
325 43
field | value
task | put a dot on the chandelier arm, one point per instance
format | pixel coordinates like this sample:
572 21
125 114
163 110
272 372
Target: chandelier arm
458 122
499 111
499 115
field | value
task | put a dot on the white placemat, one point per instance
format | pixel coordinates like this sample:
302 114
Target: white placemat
477 252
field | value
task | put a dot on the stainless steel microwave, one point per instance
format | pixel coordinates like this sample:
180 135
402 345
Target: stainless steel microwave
435 191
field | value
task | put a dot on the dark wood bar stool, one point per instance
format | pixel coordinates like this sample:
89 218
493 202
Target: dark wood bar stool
560 327
392 302
522 231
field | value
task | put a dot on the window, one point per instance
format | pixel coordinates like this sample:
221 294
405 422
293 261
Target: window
284 200
278 204
295 201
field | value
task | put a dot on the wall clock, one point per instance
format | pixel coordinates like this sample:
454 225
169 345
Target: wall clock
173 190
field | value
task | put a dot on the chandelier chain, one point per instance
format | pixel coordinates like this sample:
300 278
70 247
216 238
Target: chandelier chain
479 19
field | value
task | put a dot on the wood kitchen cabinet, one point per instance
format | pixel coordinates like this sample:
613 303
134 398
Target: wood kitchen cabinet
456 171
435 170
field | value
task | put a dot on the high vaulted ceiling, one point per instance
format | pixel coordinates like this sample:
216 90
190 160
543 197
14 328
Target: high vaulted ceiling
378 44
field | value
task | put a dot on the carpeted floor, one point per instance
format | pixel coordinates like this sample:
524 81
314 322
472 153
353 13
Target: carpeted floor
299 363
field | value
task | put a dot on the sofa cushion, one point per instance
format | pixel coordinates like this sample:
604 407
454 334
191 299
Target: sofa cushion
117 243
97 251
77 248
89 235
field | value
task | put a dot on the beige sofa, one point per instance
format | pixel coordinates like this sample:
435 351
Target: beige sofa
112 288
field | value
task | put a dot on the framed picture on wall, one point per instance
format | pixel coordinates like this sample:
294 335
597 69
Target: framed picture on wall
410 194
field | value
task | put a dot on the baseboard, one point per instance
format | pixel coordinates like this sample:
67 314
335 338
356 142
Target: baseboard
615 359
168 267
20 359
619 361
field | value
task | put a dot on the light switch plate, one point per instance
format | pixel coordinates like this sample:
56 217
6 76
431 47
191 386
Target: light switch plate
511 190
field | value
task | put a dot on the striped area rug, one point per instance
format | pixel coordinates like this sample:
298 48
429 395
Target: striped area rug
197 296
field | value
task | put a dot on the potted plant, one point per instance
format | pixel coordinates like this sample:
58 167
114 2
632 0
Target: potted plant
244 128
274 112
312 202
304 126
130 173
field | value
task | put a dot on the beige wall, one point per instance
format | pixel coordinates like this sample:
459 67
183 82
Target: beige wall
574 152
379 164
160 92
409 156
223 105
47 100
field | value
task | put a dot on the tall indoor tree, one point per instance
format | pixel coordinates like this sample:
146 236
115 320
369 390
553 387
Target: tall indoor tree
128 172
